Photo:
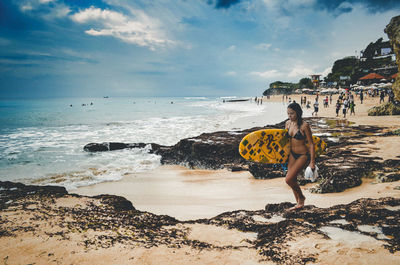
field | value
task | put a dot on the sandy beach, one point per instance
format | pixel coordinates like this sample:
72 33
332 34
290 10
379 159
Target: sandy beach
187 194
192 194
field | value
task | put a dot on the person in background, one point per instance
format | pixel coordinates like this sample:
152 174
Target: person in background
326 102
391 96
338 105
316 107
298 132
361 97
345 106
382 97
352 105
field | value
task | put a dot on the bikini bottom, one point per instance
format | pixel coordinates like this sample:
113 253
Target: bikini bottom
296 156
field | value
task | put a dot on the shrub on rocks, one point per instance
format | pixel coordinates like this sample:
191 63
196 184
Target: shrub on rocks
385 109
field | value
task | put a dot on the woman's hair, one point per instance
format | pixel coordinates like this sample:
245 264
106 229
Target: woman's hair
299 112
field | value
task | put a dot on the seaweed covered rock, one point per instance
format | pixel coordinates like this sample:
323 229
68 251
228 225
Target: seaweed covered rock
385 109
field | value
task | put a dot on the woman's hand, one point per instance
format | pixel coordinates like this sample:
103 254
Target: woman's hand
312 165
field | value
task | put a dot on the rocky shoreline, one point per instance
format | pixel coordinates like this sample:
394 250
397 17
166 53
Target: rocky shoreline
41 216
342 166
106 222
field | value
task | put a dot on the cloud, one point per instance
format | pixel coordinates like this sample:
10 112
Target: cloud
230 73
335 7
143 30
264 46
232 48
345 6
267 74
326 71
4 42
225 3
45 9
299 72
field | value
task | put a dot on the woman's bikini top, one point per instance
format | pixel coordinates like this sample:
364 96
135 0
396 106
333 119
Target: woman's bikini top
297 136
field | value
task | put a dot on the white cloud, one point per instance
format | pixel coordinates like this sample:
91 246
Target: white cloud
26 7
327 71
49 12
4 42
232 48
58 11
230 73
264 46
300 71
267 74
143 30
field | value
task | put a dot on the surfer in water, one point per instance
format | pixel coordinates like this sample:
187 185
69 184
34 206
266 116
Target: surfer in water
299 132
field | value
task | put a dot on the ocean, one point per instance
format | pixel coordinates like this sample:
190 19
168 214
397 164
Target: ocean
42 140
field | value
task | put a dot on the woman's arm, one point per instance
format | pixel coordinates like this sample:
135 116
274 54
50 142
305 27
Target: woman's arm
308 132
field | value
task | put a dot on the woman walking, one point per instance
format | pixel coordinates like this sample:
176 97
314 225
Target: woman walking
299 132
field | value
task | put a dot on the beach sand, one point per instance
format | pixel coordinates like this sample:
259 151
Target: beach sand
188 194
191 194
194 194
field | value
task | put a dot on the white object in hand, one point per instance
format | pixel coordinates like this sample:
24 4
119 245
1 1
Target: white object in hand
310 174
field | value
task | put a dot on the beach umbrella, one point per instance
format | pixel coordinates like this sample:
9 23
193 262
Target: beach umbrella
387 85
372 76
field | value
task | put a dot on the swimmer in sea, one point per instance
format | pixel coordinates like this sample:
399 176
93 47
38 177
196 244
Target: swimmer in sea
299 132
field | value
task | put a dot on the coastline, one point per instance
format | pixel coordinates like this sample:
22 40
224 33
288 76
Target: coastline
238 234
196 193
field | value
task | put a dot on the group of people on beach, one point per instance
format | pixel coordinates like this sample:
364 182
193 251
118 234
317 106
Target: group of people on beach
346 102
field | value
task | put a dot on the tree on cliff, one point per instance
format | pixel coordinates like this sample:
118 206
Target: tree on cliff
305 83
393 32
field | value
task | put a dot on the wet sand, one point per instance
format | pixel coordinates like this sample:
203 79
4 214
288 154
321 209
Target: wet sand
193 194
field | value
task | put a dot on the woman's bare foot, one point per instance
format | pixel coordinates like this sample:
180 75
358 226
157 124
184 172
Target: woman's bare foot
299 205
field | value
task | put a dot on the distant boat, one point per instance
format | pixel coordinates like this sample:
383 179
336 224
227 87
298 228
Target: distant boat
238 100
105 97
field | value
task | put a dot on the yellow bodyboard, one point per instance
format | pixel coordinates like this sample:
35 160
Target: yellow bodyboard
271 146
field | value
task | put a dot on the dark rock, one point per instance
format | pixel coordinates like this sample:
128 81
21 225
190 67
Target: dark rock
119 203
340 168
387 178
111 146
10 192
266 171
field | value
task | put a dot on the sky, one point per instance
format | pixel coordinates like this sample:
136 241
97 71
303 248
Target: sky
170 48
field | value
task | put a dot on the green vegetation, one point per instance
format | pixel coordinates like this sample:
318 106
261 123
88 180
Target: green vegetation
280 87
355 68
384 109
347 70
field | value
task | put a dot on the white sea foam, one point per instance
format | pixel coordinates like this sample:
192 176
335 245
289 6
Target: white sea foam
53 153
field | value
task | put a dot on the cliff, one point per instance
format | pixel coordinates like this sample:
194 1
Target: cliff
393 32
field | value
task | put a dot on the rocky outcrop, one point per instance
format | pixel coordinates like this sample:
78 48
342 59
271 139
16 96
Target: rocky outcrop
111 146
340 168
393 32
103 222
385 109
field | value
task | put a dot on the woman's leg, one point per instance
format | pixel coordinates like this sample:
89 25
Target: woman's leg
294 167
